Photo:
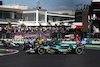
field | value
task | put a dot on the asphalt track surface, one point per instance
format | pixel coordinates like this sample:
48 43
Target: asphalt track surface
90 58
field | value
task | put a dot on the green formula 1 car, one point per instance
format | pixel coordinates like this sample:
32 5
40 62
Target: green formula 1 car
61 48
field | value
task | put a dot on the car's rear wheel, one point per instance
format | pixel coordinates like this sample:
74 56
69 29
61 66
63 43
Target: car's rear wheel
79 50
41 50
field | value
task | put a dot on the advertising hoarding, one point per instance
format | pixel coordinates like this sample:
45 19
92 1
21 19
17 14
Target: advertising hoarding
78 16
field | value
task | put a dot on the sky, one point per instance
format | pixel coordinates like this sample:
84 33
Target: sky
50 5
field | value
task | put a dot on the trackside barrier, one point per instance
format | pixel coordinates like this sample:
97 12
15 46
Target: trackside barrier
82 42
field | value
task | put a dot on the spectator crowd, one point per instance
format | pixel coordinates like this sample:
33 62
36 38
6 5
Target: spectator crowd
58 32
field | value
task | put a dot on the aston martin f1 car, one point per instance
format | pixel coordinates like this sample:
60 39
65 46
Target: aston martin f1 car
61 48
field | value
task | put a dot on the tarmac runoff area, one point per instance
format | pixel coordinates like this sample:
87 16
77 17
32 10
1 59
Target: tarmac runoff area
8 52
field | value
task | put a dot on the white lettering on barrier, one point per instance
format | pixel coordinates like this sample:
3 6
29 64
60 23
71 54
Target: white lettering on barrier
84 42
95 42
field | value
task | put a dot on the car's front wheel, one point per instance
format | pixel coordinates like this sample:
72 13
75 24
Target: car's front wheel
79 50
41 50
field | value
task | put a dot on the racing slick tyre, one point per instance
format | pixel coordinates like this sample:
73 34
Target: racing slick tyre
79 50
41 50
